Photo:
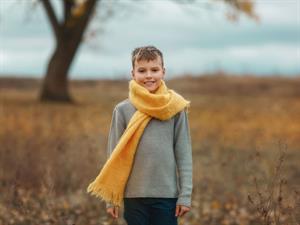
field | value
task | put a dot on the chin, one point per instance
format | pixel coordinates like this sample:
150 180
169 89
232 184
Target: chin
152 90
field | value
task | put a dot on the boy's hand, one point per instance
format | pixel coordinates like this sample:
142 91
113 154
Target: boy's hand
181 210
113 211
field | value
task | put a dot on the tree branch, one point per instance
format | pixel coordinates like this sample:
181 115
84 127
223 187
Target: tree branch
68 4
52 17
82 21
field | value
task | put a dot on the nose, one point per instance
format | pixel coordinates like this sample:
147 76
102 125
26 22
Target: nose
148 74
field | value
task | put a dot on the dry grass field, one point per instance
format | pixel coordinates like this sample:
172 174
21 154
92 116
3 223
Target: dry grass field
245 137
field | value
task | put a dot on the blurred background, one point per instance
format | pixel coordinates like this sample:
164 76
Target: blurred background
65 64
195 36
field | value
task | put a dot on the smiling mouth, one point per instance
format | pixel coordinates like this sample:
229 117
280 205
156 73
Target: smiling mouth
149 82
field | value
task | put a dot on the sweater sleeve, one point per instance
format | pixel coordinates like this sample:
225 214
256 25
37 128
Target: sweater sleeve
183 156
117 128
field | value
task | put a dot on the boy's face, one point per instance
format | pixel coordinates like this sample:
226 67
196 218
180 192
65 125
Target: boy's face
148 73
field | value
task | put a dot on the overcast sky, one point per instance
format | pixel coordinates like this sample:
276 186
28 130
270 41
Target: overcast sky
193 38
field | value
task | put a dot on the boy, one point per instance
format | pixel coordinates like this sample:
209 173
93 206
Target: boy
153 193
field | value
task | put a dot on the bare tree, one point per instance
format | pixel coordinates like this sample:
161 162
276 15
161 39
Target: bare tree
68 35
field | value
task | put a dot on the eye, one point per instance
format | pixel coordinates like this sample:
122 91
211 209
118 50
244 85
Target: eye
155 70
141 71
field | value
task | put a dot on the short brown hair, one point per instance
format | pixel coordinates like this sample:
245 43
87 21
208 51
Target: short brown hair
148 52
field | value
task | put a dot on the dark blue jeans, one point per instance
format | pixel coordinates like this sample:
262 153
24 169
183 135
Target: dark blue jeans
150 211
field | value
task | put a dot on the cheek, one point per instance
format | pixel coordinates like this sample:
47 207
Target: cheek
140 79
138 76
159 75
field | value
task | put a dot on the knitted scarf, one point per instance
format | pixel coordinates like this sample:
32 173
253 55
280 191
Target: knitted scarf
110 184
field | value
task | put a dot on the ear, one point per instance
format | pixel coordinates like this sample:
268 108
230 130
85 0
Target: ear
132 74
164 72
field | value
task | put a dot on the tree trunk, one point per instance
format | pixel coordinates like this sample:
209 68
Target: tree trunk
68 38
55 85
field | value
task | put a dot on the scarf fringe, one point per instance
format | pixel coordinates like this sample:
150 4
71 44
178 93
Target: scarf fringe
105 194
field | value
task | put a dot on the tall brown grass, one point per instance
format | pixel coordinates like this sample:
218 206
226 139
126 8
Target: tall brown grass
50 152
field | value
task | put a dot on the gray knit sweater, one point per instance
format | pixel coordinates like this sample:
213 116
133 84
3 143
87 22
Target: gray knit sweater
163 160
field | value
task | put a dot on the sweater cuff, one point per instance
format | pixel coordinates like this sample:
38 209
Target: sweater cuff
186 201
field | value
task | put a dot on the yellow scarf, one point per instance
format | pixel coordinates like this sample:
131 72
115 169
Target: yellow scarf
110 184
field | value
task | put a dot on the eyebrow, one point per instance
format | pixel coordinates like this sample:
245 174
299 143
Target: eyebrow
155 67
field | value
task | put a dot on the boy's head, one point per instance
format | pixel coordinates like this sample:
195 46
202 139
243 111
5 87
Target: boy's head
148 67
